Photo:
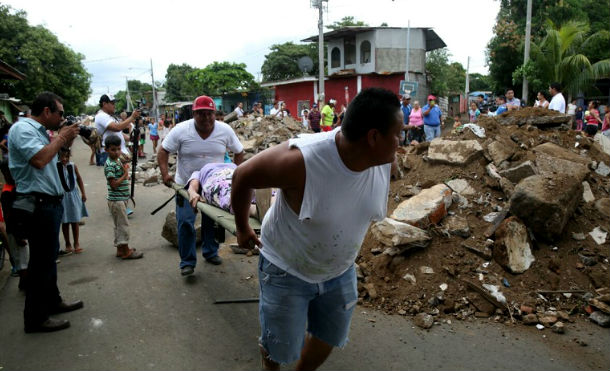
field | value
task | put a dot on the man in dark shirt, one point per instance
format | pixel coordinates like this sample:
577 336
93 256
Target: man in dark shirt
314 118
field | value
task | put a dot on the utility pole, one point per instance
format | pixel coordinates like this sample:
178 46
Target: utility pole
467 88
128 96
526 56
408 49
155 104
320 5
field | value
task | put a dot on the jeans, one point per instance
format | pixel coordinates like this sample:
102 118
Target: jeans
42 294
432 132
187 237
100 158
288 304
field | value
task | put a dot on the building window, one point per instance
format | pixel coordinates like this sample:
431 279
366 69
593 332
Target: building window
335 58
365 52
349 46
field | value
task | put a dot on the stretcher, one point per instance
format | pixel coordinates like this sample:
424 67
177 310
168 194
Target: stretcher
221 217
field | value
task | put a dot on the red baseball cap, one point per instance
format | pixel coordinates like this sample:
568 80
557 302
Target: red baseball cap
204 102
431 97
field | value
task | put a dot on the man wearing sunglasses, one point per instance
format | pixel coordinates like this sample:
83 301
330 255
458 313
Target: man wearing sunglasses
39 193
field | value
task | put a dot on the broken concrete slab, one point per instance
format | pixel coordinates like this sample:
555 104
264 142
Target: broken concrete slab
587 194
598 235
454 152
500 152
512 248
545 204
600 318
521 171
461 186
548 165
602 169
457 226
428 207
399 236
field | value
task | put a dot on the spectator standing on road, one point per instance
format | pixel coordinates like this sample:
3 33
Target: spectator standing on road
32 164
117 178
416 134
154 134
406 108
73 201
314 118
107 125
592 119
309 238
305 118
512 103
558 102
198 141
541 100
239 110
433 119
328 115
473 113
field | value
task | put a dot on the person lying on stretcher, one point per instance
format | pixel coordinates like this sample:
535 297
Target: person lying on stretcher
212 185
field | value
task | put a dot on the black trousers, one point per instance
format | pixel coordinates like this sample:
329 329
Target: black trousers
42 294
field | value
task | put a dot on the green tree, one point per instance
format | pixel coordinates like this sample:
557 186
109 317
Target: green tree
48 64
179 84
139 92
444 77
345 22
558 58
479 82
281 63
505 49
223 77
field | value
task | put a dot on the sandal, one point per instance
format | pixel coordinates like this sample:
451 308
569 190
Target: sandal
132 254
78 250
118 255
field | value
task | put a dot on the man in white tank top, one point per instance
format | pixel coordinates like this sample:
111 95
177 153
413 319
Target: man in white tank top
332 186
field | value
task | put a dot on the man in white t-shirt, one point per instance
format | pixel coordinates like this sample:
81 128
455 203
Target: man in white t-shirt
107 125
558 103
198 141
312 233
240 109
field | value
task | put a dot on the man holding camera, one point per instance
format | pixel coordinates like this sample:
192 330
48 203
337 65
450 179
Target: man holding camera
107 125
38 203
433 119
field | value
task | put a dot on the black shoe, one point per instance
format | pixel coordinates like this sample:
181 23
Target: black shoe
216 260
64 307
49 325
187 270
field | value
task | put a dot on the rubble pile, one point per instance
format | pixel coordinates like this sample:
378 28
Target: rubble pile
258 133
507 220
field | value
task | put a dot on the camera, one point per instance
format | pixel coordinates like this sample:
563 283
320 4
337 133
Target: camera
83 131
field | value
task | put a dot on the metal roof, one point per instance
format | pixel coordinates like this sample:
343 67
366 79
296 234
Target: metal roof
10 73
433 41
291 81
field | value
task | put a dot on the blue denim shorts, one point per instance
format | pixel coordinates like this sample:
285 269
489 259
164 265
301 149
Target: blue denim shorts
288 304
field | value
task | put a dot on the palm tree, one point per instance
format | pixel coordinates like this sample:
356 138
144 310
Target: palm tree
559 58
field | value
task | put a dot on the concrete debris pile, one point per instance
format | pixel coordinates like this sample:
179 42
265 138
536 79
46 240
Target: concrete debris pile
512 227
258 133
148 172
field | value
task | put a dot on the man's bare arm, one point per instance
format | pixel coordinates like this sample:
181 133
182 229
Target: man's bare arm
163 158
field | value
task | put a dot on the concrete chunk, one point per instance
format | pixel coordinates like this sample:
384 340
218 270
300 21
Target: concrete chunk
392 233
454 152
545 204
461 186
500 152
428 207
522 171
512 248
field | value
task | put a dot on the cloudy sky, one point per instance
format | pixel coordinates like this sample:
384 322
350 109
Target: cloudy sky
119 38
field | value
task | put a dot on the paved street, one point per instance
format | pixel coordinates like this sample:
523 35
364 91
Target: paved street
142 315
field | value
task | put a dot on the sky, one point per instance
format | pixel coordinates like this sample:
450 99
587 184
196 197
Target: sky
120 38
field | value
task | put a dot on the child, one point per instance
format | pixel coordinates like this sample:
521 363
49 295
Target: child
142 139
474 112
117 176
73 201
154 134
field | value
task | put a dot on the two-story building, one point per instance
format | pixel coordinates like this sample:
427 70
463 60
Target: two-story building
363 57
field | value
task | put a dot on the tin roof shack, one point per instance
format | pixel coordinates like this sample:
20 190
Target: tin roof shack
363 57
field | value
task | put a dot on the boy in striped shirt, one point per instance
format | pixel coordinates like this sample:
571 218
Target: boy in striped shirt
117 177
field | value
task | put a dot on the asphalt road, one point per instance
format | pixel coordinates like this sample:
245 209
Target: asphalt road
142 315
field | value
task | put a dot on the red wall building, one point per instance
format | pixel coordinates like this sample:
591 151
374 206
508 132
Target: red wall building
304 90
